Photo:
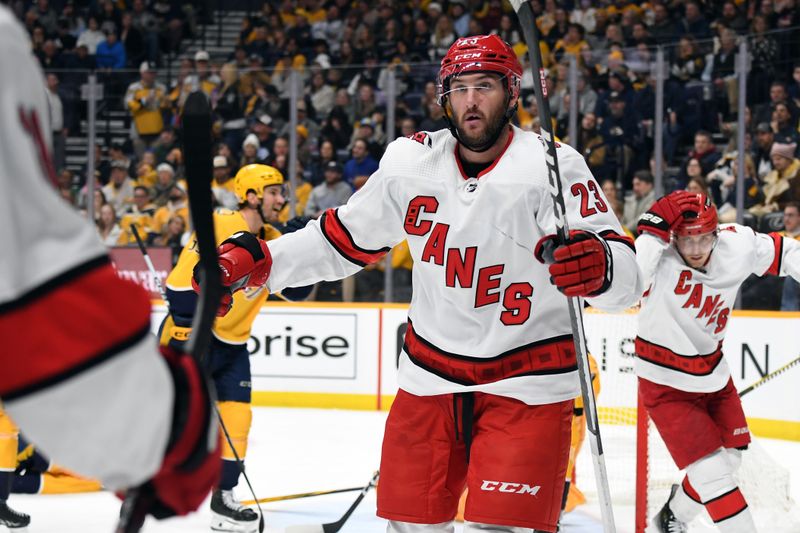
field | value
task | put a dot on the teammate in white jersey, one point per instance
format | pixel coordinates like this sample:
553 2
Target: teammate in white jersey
80 373
488 371
692 270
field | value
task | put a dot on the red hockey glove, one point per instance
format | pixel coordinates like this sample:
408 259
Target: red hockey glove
581 267
667 212
192 462
244 261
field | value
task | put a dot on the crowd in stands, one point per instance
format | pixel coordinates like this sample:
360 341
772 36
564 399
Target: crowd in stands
344 52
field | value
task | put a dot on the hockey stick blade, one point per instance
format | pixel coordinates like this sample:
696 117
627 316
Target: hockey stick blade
769 377
527 23
300 495
334 527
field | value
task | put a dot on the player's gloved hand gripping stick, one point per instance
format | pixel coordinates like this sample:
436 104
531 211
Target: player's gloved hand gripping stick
574 251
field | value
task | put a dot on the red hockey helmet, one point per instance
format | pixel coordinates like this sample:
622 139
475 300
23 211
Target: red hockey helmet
706 220
480 53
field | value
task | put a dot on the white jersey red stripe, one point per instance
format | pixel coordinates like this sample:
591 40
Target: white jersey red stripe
685 311
88 335
79 374
478 290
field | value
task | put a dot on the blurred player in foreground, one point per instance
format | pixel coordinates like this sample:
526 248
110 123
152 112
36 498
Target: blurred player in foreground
81 374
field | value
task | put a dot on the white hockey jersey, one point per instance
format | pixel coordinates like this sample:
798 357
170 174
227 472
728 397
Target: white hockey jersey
685 311
484 315
79 371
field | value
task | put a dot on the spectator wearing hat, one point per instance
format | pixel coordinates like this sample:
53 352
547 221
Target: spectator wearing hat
332 193
145 100
361 163
165 179
177 204
222 186
762 148
782 184
119 190
250 148
263 130
253 75
202 78
366 131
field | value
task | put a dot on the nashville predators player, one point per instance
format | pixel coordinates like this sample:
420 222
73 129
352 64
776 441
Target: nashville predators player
259 190
8 463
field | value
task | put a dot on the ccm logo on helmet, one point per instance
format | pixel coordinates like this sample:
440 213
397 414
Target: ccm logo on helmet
513 488
472 55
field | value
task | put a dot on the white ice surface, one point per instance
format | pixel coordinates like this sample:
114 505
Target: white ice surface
302 450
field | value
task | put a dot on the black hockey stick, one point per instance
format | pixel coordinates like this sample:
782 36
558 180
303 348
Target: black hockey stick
528 25
149 263
197 147
769 376
197 144
300 495
334 527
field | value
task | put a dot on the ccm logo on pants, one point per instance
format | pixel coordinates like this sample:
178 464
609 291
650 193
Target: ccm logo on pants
504 486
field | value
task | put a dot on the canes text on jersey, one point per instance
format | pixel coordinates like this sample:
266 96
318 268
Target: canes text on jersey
713 307
460 268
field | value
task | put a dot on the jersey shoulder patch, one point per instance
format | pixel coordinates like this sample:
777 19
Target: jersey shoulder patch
421 137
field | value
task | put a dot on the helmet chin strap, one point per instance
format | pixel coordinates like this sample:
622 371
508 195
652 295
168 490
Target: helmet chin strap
492 139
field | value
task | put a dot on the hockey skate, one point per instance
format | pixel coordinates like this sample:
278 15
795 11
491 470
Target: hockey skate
231 516
11 518
665 521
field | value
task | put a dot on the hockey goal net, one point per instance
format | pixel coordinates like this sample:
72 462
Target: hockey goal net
640 470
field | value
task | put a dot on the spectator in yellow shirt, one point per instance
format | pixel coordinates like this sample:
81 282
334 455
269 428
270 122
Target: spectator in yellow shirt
176 205
145 99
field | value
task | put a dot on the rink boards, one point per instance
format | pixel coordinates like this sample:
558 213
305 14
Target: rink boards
345 356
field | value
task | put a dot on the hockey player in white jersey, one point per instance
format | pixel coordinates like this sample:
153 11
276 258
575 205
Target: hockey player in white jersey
80 373
692 270
488 371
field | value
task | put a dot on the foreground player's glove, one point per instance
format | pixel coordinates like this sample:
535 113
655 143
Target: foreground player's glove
581 267
665 214
192 462
244 261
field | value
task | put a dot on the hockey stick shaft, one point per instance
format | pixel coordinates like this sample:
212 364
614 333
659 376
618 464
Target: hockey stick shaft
198 153
149 263
530 32
300 495
770 376
334 527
